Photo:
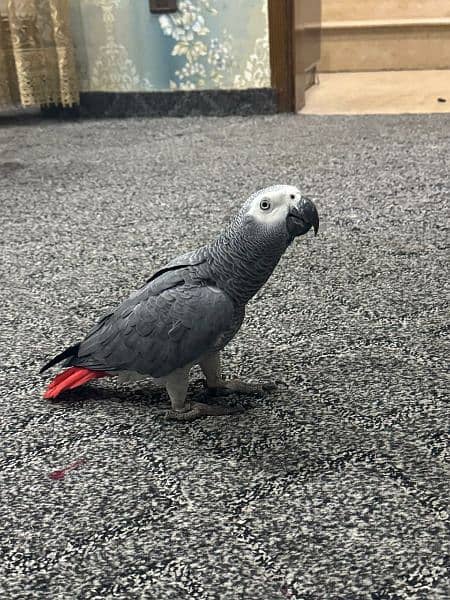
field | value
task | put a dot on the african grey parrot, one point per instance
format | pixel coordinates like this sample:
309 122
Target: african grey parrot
188 311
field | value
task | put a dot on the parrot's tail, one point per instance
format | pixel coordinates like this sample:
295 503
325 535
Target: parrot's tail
70 379
68 353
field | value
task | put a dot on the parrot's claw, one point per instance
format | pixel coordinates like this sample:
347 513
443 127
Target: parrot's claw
197 410
236 386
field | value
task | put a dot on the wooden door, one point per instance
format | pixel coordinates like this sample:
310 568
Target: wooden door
294 38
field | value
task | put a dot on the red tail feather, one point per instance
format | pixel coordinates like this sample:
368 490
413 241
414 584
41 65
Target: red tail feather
70 379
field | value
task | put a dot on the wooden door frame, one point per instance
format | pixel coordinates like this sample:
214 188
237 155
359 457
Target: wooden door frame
282 53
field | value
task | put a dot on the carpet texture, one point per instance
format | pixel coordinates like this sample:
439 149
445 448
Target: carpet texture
335 485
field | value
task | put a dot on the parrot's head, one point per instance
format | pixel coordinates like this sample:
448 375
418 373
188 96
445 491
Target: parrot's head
249 248
283 210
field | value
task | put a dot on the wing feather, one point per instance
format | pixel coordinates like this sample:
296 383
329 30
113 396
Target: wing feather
167 328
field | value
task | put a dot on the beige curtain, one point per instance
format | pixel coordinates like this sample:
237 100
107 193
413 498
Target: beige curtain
37 63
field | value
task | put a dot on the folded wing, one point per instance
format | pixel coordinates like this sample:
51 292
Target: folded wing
170 322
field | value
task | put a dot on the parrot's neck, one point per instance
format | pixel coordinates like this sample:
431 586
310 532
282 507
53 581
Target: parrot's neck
243 260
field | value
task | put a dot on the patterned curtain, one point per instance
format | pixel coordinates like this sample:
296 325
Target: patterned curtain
37 64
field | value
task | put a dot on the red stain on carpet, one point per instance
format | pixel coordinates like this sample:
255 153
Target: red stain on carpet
61 473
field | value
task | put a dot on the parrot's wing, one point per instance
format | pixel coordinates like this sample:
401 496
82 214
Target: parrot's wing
172 274
190 259
166 325
194 257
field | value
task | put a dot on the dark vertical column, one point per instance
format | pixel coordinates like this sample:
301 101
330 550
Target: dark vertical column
282 59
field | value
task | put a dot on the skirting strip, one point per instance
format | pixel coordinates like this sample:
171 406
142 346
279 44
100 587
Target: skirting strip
178 103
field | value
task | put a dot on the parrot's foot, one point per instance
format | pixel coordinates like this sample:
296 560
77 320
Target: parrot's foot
237 386
197 410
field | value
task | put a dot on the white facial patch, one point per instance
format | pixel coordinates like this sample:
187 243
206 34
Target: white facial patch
272 205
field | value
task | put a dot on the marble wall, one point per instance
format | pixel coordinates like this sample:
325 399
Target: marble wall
207 44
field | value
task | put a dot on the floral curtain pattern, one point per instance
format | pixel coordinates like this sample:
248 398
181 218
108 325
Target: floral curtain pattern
257 68
37 62
112 70
209 44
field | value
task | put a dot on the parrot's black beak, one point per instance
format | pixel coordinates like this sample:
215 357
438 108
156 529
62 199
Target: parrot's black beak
302 217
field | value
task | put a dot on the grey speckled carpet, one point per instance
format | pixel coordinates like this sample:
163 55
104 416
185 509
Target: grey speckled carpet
333 486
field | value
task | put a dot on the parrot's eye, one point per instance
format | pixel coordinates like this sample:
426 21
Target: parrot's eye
292 196
264 204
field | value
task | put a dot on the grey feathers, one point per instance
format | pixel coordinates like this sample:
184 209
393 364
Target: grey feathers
170 322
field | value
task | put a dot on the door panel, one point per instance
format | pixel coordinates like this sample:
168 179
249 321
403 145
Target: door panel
294 38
